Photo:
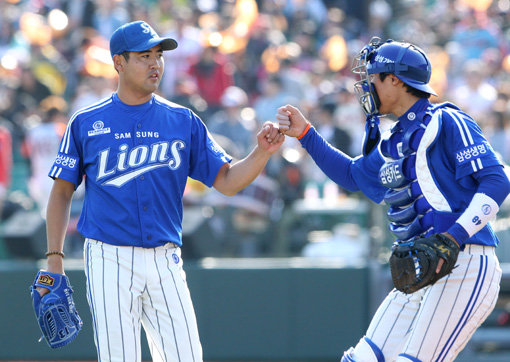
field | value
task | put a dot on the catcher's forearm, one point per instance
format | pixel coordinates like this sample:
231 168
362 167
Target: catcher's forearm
332 161
480 211
493 188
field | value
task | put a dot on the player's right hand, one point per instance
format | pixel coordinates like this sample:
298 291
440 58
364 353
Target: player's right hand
291 121
269 138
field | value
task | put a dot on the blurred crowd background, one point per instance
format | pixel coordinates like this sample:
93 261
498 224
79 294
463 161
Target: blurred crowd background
236 63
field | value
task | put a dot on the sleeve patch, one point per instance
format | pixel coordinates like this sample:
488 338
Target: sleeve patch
66 161
471 153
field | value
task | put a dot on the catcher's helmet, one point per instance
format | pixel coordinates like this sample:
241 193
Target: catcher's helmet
408 62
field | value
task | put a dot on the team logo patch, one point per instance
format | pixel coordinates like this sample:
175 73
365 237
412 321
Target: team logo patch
98 128
175 257
486 209
411 116
45 279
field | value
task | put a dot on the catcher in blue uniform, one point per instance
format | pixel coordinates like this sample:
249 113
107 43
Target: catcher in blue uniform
443 184
136 151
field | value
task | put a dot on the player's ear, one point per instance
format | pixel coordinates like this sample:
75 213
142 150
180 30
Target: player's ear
118 62
395 80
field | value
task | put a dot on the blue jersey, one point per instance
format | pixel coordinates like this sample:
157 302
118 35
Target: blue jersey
136 160
450 156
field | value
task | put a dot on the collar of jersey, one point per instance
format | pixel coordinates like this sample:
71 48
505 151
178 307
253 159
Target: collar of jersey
132 108
418 109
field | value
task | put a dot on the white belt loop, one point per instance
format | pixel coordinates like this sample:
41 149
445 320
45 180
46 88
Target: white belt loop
94 241
480 249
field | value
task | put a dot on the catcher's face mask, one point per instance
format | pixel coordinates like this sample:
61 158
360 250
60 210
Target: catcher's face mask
364 88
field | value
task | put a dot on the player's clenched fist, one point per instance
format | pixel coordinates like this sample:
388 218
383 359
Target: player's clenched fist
291 121
269 138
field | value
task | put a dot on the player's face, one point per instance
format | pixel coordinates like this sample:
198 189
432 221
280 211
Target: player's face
386 91
143 71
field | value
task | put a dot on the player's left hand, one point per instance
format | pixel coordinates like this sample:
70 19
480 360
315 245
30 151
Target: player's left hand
421 262
55 311
269 138
442 261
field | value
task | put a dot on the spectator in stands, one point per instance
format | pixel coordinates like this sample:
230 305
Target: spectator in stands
5 164
186 94
31 91
326 125
187 35
232 123
91 90
109 15
213 74
476 95
272 96
475 33
40 147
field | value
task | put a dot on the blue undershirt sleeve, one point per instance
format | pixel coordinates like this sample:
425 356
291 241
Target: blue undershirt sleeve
358 174
493 182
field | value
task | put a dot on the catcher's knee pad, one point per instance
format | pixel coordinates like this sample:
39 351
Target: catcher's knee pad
365 351
403 357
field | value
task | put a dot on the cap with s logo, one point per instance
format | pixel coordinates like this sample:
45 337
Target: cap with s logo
136 37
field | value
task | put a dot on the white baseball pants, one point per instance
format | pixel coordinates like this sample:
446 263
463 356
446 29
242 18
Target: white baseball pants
435 323
131 286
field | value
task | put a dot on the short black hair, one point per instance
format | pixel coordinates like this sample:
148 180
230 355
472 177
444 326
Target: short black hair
415 92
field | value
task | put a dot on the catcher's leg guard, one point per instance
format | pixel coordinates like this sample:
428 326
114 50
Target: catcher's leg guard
403 357
365 351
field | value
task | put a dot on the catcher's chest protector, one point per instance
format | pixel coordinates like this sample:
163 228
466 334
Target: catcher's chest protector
410 214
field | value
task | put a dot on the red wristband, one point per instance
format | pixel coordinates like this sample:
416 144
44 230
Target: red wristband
307 128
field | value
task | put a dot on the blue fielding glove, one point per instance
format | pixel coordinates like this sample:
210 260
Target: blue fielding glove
57 316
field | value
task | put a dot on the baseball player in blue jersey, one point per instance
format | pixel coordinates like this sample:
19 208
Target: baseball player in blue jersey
135 151
443 184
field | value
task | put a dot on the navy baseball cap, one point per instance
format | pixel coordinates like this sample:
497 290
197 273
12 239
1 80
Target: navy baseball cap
136 37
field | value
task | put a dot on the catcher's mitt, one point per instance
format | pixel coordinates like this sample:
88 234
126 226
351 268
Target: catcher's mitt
413 264
57 316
